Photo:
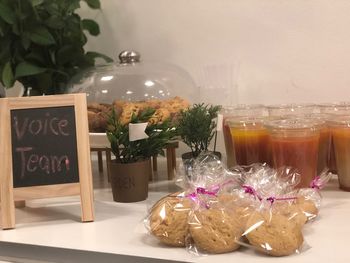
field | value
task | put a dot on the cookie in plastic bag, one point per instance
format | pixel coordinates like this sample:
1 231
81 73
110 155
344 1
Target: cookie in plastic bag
274 234
168 220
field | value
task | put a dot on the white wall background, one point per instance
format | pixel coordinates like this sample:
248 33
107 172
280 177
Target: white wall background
251 51
256 51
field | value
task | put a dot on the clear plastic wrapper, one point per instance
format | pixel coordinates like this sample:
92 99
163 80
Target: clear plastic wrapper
266 181
205 171
309 199
168 219
214 226
275 226
215 221
272 232
219 209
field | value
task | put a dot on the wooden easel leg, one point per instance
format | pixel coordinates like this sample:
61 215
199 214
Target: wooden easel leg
86 199
6 185
7 207
85 173
86 195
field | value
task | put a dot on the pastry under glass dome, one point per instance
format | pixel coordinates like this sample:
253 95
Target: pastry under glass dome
132 86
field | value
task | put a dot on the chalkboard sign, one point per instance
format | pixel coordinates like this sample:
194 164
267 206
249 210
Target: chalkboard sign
44 146
44 152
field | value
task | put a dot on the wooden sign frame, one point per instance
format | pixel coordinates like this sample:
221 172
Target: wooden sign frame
84 188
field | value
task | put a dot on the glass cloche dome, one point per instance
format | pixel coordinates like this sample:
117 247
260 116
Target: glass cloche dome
132 86
133 80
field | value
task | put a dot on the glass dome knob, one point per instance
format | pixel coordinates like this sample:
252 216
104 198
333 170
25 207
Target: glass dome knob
129 57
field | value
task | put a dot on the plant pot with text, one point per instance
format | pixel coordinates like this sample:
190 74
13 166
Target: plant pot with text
129 181
134 139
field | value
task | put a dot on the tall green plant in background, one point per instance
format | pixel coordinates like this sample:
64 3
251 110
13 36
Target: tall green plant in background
42 43
197 126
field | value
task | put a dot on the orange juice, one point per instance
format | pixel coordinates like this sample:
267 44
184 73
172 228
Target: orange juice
334 110
251 141
341 140
298 152
324 150
295 143
237 111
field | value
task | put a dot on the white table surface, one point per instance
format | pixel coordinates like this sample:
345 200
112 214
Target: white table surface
119 230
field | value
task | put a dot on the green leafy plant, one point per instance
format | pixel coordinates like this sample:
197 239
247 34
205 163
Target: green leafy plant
197 126
42 43
126 151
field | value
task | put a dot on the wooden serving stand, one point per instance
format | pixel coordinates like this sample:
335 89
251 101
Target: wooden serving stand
99 143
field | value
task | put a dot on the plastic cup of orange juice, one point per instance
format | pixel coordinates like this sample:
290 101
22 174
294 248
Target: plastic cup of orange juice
340 130
324 147
325 140
332 109
250 140
235 111
295 143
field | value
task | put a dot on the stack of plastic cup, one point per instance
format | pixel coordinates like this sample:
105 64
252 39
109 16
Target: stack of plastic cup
287 110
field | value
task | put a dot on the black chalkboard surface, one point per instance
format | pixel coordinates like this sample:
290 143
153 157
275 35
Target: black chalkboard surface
44 146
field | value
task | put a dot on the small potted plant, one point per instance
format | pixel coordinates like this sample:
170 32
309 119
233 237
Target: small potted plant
129 172
197 127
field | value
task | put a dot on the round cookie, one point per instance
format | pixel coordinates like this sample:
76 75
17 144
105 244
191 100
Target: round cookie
227 198
241 207
215 231
308 207
291 211
296 214
169 220
274 234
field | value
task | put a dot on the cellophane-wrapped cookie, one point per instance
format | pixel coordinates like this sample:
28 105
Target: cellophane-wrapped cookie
280 212
220 210
215 218
168 219
275 225
274 233
309 199
214 225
